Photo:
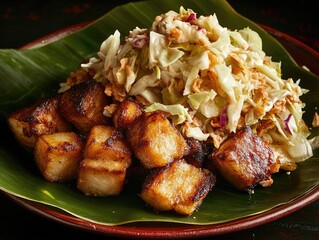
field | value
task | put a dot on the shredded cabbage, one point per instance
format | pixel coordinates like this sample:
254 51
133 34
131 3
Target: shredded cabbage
177 109
207 78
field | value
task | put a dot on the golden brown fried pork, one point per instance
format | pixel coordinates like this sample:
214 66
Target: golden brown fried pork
179 186
107 157
105 142
57 155
126 113
42 117
198 152
245 160
155 141
82 105
101 177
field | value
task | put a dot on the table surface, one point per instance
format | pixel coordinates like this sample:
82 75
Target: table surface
24 21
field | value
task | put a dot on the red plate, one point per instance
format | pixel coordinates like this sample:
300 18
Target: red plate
304 56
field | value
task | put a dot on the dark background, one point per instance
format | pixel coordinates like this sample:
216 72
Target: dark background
24 21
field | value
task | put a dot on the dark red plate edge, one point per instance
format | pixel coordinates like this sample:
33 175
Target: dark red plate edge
137 230
46 38
289 38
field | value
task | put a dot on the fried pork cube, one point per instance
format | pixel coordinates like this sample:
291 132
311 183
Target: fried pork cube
57 155
245 160
179 186
155 141
101 177
126 113
198 152
42 117
105 142
83 104
107 158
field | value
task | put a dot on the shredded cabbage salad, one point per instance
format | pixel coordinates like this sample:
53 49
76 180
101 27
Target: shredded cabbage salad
208 79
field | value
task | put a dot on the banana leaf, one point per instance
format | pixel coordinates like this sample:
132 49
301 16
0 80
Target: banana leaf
29 74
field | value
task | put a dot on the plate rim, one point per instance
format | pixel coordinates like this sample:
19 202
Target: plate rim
137 230
158 230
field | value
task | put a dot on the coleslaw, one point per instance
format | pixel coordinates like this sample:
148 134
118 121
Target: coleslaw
210 80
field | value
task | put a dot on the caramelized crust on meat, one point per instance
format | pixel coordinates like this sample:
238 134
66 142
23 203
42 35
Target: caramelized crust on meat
245 160
126 113
57 155
101 177
83 104
42 117
107 157
105 142
155 141
178 186
198 152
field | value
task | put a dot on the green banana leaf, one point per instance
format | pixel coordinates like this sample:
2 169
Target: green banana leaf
27 75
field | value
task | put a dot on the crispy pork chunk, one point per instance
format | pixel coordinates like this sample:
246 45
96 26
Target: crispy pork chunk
83 104
101 177
179 186
126 113
198 152
245 160
105 142
155 141
57 155
107 157
42 117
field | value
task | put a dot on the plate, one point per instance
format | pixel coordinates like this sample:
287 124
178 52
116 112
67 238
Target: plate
171 227
153 230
